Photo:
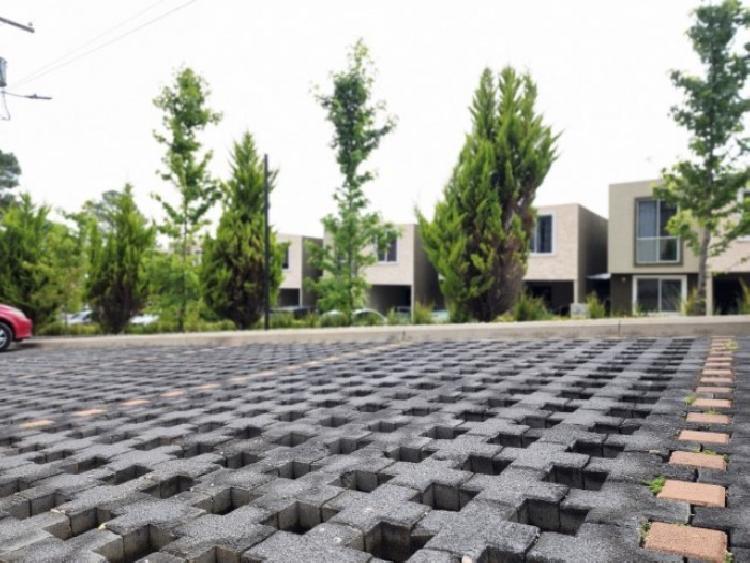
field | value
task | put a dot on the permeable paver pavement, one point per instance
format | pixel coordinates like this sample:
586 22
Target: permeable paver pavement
534 450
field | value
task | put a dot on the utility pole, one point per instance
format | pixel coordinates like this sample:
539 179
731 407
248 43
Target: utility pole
267 250
29 27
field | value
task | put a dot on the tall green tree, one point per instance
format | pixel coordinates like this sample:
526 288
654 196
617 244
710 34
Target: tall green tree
478 238
117 285
185 115
36 255
10 171
233 269
351 232
705 186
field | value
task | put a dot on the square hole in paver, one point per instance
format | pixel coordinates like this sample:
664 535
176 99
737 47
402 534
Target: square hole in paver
390 543
293 470
363 481
444 432
171 487
346 445
297 518
385 426
128 474
291 439
334 421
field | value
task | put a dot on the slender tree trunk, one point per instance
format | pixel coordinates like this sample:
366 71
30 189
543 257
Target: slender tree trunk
705 241
183 282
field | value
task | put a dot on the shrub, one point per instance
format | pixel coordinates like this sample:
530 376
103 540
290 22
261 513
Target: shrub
332 321
394 318
529 308
690 306
422 314
597 310
281 320
58 328
743 307
368 320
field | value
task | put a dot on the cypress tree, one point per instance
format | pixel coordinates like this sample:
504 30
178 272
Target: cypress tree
232 270
117 286
478 238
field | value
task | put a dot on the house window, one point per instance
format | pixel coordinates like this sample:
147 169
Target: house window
389 252
285 257
659 294
654 244
541 236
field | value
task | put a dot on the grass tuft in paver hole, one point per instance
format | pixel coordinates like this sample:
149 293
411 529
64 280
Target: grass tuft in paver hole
171 487
656 484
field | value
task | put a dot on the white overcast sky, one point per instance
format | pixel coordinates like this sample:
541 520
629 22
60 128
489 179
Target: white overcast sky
601 67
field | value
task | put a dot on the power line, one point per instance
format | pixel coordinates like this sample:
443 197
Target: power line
29 27
91 41
107 43
29 96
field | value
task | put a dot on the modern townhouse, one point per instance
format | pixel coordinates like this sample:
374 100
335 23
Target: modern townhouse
295 268
653 271
402 275
568 256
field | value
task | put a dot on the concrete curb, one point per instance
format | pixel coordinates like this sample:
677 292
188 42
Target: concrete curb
599 328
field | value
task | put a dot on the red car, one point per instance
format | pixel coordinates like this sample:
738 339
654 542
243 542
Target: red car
14 326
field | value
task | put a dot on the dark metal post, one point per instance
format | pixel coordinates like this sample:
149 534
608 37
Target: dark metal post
267 249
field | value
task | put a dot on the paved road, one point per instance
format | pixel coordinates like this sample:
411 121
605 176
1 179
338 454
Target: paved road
534 450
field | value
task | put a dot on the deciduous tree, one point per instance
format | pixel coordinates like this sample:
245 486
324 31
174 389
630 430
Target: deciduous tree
185 115
352 231
705 187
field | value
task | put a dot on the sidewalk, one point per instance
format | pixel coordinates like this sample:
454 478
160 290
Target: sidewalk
600 328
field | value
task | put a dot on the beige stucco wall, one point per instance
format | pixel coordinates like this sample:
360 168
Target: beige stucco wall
621 238
736 259
400 272
294 276
562 264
